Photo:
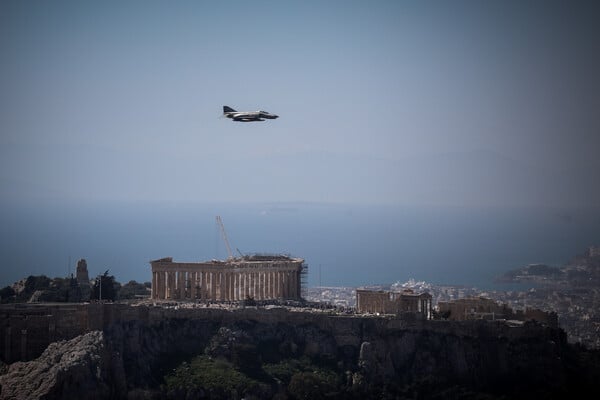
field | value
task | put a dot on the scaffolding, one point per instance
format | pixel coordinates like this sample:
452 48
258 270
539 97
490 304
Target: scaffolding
304 280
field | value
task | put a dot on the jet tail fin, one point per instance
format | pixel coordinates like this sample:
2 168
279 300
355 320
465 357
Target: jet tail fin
227 109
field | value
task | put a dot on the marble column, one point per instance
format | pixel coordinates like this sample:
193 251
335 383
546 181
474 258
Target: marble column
162 284
240 286
218 287
154 285
235 286
203 285
174 284
214 284
261 285
171 284
279 284
250 284
221 286
292 279
246 285
180 285
167 281
174 292
192 278
230 286
154 273
167 277
284 284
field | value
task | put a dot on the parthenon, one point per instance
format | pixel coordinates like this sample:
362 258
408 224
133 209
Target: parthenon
258 277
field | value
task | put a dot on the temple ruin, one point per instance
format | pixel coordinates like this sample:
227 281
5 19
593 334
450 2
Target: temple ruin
258 277
473 308
382 302
484 308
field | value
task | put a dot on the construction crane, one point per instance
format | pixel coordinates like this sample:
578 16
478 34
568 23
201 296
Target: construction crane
220 223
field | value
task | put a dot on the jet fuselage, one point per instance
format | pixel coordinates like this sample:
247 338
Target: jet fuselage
247 116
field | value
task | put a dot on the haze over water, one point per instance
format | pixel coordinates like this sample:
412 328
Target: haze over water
444 141
350 245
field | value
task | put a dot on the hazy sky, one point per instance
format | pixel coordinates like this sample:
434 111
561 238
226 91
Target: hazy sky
450 102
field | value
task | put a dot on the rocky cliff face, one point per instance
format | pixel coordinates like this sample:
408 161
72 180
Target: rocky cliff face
370 358
81 368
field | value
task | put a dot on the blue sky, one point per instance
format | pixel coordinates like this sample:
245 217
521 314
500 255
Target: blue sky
447 103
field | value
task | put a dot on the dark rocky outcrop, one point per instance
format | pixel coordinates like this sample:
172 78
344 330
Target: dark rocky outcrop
81 368
368 357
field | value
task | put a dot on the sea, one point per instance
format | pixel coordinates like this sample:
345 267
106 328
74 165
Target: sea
342 244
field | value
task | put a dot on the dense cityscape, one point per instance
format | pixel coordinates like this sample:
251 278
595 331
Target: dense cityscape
571 291
252 320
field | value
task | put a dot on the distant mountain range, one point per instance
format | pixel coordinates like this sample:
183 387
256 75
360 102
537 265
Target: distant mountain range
583 270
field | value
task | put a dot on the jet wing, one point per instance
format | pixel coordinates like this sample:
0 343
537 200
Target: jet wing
247 119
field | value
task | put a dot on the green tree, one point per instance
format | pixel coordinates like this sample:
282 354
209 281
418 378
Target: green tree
32 284
132 289
318 384
105 288
7 294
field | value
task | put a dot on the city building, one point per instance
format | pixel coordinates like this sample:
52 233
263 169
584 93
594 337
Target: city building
82 273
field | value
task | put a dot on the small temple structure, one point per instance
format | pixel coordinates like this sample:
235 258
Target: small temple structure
383 302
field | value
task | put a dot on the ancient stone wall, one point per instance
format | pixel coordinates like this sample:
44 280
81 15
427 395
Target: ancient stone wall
132 354
27 330
472 308
483 308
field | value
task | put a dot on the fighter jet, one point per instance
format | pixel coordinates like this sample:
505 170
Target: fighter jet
247 116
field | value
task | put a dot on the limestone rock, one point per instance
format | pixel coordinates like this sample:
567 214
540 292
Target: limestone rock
79 368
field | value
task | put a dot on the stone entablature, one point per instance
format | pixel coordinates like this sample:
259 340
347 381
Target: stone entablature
259 278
